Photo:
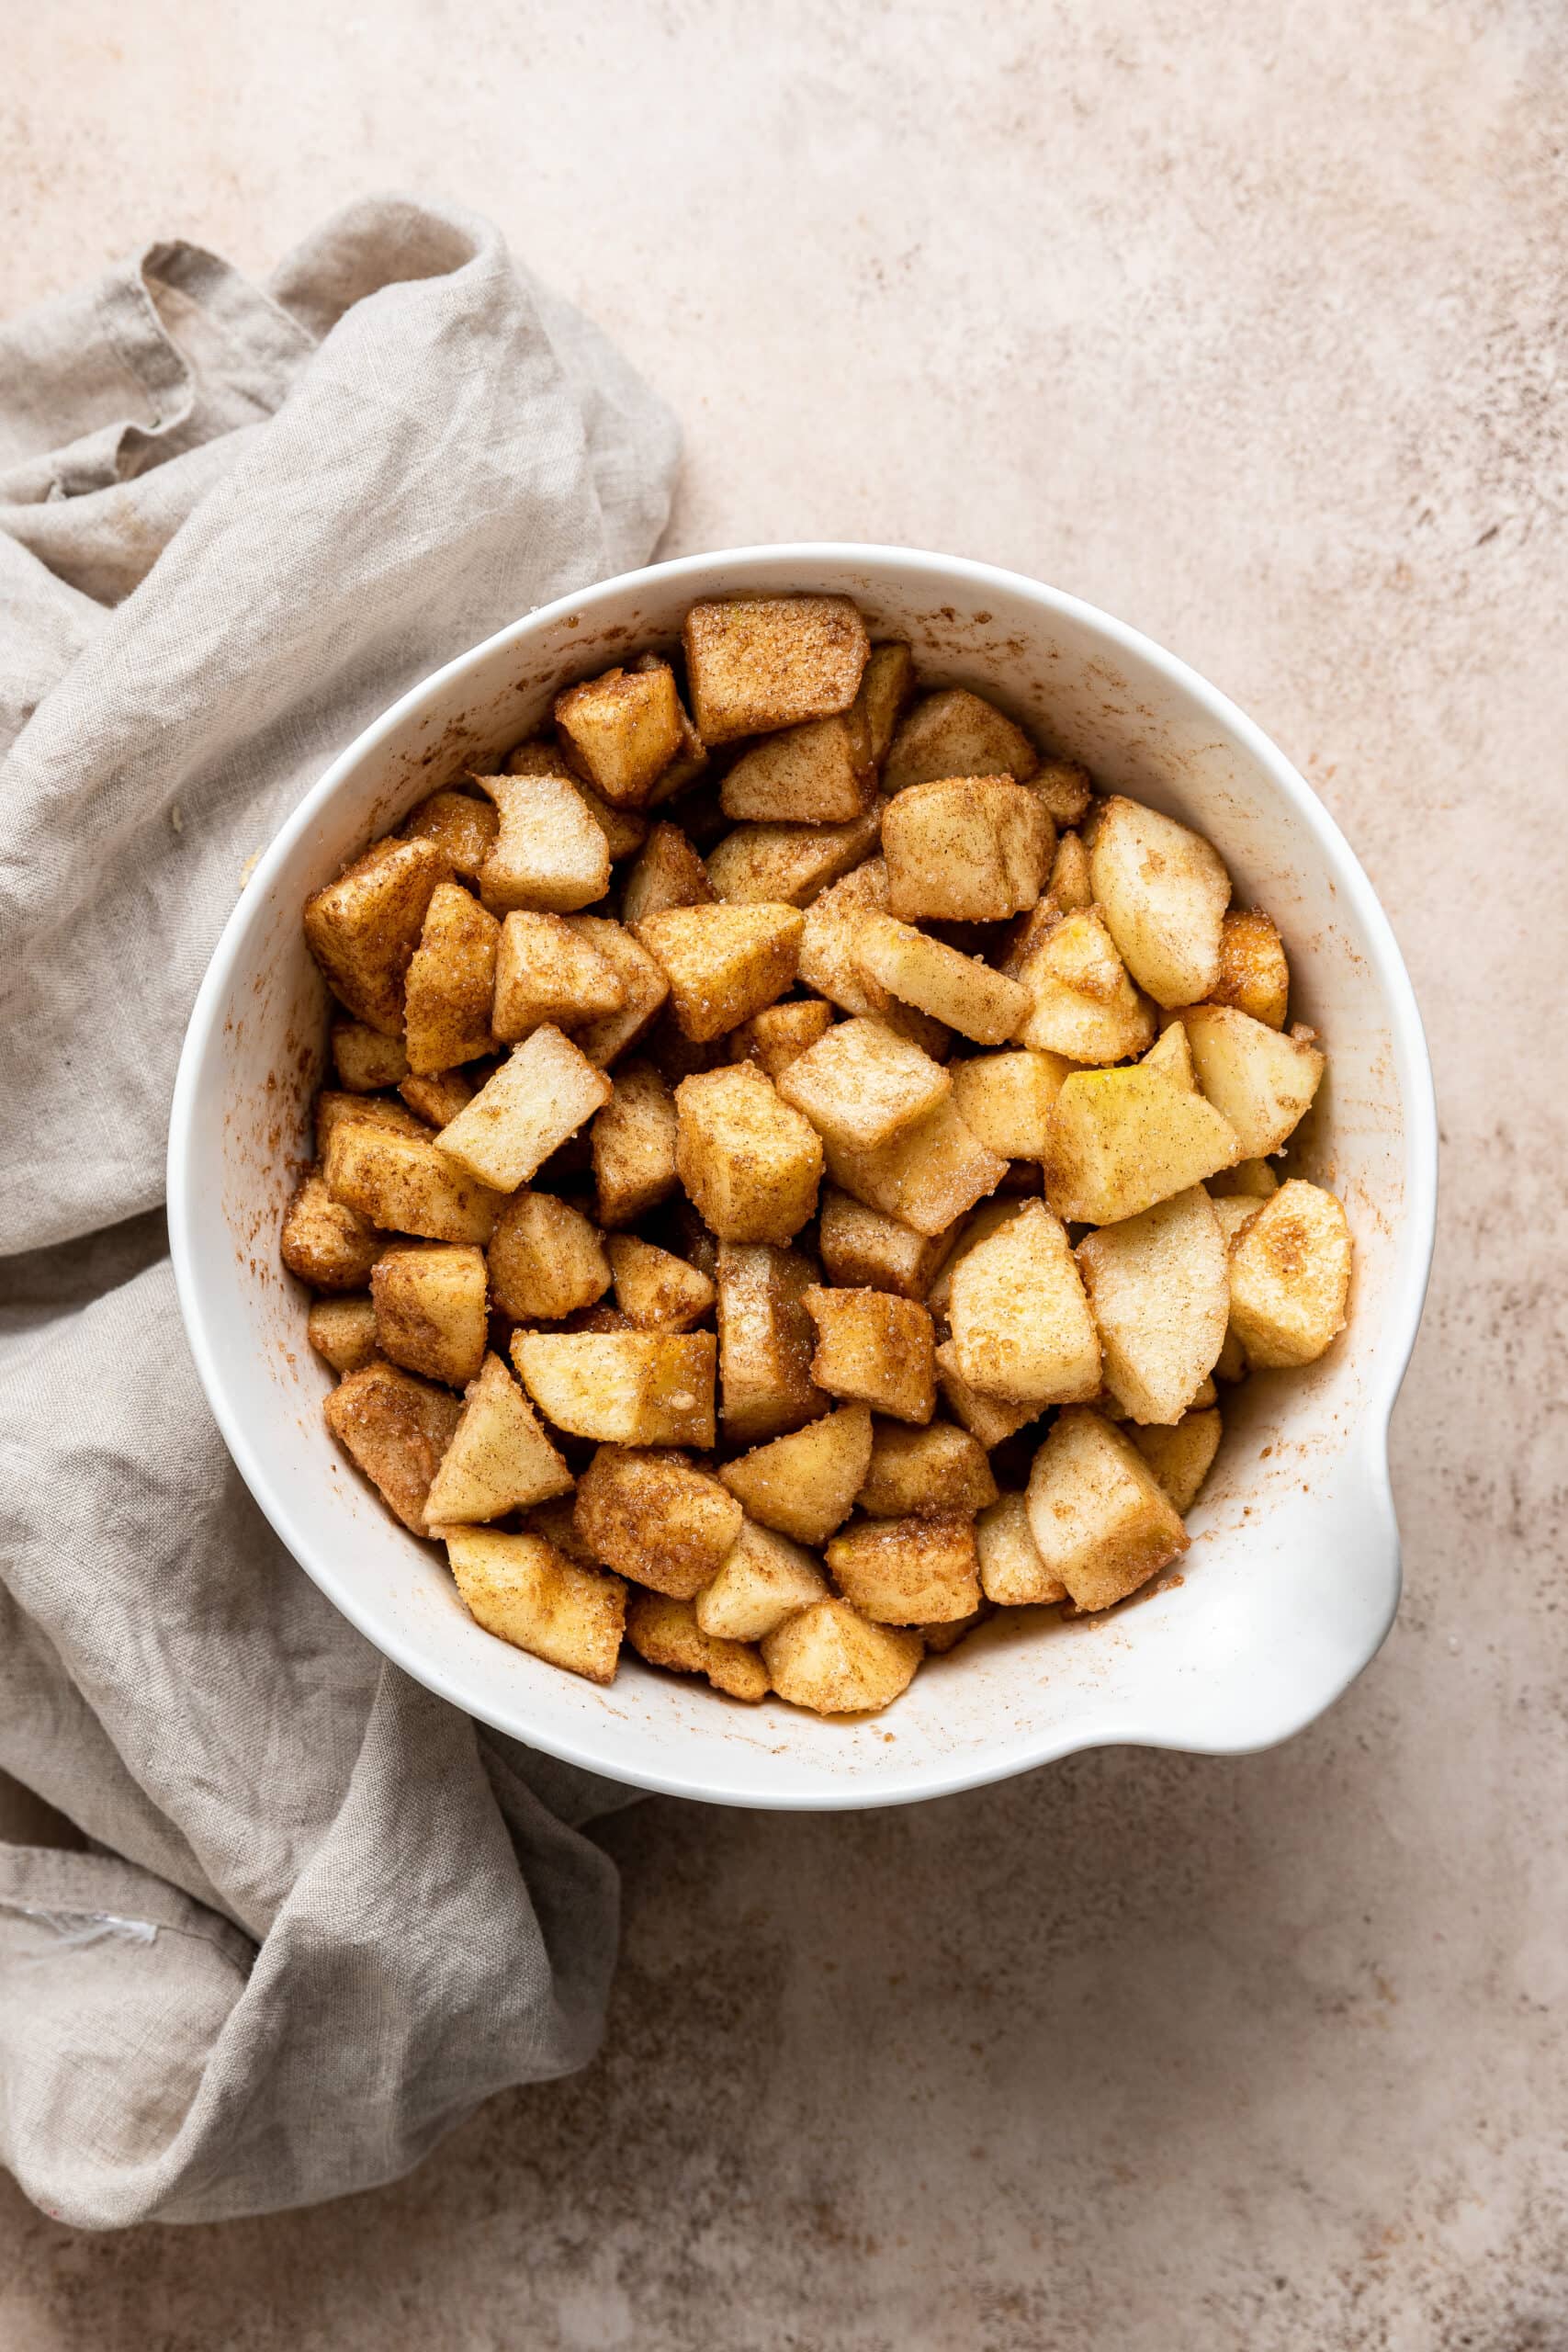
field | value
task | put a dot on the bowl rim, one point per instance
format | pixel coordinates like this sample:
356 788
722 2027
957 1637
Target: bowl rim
1400 1309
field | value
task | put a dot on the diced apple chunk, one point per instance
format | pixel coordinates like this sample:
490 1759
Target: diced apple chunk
541 1095
327 1242
956 989
545 971
1251 1179
780 1034
915 1473
805 1484
875 1349
1164 890
886 684
363 928
634 1146
750 1163
862 1084
363 1059
723 963
1006 1099
1172 1055
908 1571
665 1632
522 1590
765 1342
756 663
437 1097
1123 1139
651 1516
622 1388
549 854
625 728
789 865
1160 1292
1065 789
818 774
1102 1522
1182 1454
764 1580
1081 1002
667 874
500 1459
396 1429
462 827
450 983
546 1260
862 1250
343 1332
1263 1083
654 1289
1011 1570
927 1176
955 732
431 1312
646 990
406 1184
1290 1276
1253 975
987 1419
828 1660
1021 1325
969 849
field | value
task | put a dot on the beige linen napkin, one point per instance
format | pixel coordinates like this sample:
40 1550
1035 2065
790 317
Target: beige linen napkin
321 1914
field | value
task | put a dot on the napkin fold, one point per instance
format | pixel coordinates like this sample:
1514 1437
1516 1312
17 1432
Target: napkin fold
320 1915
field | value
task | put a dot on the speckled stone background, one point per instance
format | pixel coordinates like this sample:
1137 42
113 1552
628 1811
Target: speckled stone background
1248 324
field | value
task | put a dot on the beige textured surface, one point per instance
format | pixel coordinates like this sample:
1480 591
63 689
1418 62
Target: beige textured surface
1244 323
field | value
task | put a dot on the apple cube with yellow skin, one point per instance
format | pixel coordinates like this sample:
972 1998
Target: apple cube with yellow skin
830 1661
908 1571
522 1590
1121 1139
1101 1521
622 1388
395 1429
1181 1455
1082 1004
1159 1287
764 1579
803 1484
1164 891
1261 1083
500 1459
664 1631
759 663
1006 1099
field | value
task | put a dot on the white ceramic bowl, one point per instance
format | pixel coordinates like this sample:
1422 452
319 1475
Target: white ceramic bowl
1293 1574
